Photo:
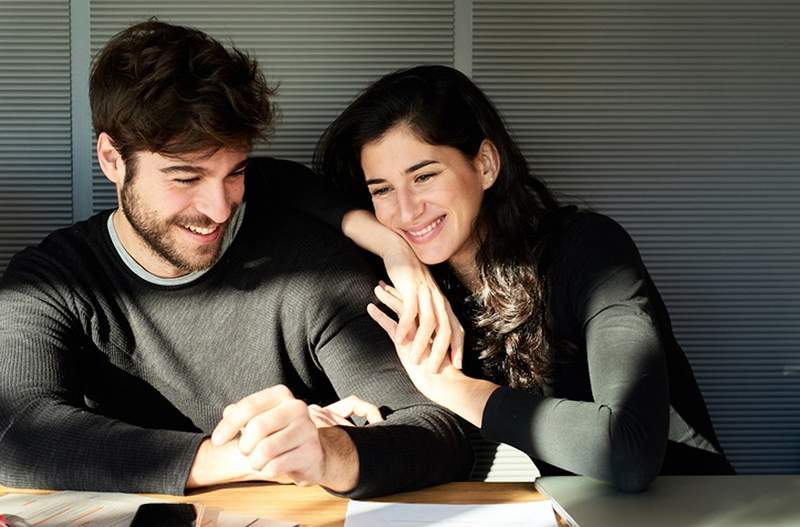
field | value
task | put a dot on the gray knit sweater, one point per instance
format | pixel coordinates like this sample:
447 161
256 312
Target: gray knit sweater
109 382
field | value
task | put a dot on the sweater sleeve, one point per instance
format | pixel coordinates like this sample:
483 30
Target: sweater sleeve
620 436
420 443
49 437
294 185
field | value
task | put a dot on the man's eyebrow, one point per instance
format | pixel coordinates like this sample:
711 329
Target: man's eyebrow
239 167
412 168
194 169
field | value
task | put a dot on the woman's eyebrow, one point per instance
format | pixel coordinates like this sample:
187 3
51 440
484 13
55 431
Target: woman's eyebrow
412 168
419 165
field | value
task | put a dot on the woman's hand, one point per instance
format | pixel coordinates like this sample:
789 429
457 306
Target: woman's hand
424 306
424 309
338 413
440 381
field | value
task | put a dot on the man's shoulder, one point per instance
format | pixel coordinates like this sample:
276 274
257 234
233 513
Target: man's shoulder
272 177
66 249
275 189
294 234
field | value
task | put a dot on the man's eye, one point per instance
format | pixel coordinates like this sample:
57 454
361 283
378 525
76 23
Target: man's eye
186 181
237 173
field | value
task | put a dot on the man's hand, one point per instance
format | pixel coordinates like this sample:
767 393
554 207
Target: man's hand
279 439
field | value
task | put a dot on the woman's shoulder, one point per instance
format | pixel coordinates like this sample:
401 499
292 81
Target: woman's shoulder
586 234
582 224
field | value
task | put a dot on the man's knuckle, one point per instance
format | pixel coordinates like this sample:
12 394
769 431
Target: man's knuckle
259 427
296 406
257 460
265 450
281 390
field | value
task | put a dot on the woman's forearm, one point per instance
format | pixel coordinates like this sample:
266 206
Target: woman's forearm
367 232
469 398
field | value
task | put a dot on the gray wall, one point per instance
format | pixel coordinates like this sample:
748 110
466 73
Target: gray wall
680 119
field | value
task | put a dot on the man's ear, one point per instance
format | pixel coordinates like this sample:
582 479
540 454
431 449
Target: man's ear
488 160
110 160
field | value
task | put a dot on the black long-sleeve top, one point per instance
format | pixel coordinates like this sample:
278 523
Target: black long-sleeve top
110 382
623 405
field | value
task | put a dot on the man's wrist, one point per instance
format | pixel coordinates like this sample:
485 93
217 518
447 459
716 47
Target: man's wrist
215 465
340 471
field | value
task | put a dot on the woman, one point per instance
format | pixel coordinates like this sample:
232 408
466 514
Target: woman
570 355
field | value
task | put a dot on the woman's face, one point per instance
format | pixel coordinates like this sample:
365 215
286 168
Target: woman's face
429 194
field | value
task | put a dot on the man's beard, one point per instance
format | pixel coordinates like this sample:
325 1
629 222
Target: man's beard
157 233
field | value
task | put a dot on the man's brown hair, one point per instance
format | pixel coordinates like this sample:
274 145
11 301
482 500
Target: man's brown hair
170 89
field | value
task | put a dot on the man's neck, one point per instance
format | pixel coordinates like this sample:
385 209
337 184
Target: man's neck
114 231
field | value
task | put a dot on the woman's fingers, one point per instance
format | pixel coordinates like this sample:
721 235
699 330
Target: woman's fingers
408 274
456 337
322 417
355 406
426 326
386 296
439 327
441 342
383 320
408 316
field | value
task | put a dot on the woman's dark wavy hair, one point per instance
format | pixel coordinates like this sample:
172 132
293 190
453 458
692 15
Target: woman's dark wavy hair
443 107
171 89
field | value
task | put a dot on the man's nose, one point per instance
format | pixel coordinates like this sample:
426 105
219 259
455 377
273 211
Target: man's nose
214 203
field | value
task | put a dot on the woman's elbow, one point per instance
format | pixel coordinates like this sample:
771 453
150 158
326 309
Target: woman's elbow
631 478
633 470
636 459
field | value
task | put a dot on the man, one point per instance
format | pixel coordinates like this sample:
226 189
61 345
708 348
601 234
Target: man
200 304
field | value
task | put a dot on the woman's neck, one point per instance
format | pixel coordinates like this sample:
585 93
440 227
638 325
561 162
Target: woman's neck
465 268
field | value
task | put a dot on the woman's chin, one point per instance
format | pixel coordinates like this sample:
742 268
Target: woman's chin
430 259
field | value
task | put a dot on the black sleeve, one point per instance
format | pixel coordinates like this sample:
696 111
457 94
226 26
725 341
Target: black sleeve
621 435
420 443
295 186
49 438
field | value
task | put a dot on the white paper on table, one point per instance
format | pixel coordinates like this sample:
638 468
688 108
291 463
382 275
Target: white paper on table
90 509
373 514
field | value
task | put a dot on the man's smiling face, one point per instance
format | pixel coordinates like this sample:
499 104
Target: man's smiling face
175 209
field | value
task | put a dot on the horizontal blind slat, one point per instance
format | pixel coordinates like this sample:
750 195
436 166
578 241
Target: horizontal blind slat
35 148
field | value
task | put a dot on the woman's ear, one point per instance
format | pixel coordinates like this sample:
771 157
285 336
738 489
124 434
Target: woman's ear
488 160
110 160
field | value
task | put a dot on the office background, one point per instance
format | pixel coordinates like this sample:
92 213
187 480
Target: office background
679 118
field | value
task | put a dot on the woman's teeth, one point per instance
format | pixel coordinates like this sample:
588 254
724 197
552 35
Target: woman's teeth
427 229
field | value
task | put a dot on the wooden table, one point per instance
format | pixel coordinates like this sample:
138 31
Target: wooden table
312 506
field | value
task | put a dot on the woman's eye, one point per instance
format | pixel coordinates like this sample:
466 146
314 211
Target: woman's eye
379 192
423 178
